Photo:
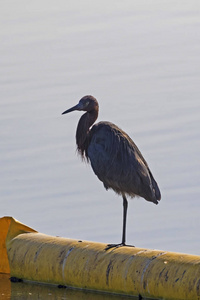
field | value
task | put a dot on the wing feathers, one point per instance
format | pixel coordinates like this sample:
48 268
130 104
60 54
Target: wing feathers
119 164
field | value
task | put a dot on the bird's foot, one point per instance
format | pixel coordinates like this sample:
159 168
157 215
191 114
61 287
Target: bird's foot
109 246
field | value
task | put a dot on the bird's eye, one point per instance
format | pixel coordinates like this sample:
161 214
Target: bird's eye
86 104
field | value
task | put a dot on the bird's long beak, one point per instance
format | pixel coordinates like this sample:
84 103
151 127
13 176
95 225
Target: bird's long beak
76 107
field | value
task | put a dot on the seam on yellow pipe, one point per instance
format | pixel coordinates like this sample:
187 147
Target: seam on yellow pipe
126 270
9 228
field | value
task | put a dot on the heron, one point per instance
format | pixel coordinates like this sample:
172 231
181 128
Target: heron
114 157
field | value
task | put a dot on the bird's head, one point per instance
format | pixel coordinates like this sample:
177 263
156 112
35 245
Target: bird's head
87 103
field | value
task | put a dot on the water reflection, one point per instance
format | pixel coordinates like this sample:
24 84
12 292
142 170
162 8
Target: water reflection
5 287
24 291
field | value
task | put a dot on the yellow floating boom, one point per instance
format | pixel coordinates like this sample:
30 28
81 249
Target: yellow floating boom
80 264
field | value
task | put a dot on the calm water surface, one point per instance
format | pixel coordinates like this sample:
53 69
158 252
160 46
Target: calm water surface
140 59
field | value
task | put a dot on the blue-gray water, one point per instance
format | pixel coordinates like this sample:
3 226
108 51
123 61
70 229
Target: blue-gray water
140 59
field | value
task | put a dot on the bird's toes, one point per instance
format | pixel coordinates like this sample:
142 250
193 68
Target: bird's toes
110 246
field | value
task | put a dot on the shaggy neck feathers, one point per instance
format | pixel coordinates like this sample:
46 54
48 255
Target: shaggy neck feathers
83 130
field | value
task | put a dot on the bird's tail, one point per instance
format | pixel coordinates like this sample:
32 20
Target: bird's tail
156 190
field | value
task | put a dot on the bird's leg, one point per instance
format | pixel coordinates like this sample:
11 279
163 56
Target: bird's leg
125 207
123 243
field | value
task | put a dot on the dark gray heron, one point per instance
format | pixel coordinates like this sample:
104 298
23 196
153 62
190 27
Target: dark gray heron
114 158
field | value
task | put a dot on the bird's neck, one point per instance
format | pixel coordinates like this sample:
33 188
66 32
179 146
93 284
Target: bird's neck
82 132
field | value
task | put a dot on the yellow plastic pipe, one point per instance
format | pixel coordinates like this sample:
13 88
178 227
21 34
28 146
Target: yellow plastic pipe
4 226
132 271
